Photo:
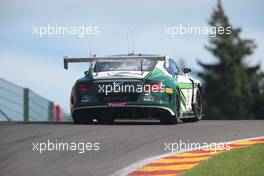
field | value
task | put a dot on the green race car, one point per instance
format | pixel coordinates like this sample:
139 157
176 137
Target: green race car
135 87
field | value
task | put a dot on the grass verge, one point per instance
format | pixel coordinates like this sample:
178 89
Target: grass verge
247 161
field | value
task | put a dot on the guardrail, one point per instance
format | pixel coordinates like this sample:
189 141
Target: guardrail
22 104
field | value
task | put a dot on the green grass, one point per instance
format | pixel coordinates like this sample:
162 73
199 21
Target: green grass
238 162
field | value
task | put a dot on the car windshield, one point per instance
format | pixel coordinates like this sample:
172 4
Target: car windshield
124 66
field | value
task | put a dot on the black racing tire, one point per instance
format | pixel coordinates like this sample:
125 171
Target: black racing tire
171 120
78 120
198 106
81 118
105 120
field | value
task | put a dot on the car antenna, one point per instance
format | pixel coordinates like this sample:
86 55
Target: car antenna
128 48
130 43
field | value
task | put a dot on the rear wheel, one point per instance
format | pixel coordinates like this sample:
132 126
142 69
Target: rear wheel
105 120
78 120
81 118
170 120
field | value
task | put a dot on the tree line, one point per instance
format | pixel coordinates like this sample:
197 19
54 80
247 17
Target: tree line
232 88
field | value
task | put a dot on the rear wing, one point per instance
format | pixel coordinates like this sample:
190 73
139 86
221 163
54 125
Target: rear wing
68 60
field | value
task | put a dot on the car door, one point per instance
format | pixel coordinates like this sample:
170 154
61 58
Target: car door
185 86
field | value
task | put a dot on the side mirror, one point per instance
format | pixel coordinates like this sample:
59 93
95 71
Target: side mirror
187 70
86 72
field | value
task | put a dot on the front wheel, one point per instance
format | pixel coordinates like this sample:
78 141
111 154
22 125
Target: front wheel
198 106
170 120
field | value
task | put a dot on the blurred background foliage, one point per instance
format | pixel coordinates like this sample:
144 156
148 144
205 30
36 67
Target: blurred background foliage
233 89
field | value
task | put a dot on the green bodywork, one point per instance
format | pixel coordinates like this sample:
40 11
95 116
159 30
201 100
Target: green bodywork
165 100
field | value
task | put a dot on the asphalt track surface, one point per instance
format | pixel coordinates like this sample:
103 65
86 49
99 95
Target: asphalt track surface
121 144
